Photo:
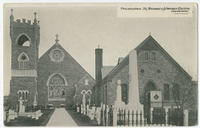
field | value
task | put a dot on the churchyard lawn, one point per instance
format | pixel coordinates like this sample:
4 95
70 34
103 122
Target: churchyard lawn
27 121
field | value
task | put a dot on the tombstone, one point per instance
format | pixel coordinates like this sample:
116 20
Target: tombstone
11 115
118 102
83 102
21 105
98 115
77 108
81 109
88 113
92 113
186 117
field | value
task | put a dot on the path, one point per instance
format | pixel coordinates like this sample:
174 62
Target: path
60 117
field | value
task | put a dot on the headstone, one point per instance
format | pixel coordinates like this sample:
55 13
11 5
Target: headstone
185 117
118 102
21 105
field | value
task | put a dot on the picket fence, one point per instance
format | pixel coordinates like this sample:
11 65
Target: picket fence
112 116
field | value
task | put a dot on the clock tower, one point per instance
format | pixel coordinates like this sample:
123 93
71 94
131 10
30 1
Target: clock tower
25 38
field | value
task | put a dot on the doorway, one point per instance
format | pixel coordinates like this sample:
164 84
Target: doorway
150 86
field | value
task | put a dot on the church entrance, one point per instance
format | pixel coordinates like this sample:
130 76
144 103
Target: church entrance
56 89
150 86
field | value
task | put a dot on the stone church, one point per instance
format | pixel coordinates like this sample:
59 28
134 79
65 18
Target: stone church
54 78
149 77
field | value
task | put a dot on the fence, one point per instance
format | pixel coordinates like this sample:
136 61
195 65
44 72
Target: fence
112 116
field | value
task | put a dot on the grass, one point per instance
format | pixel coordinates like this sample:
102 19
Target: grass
80 119
27 121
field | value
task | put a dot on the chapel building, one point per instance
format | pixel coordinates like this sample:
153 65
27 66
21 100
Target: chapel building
54 78
160 80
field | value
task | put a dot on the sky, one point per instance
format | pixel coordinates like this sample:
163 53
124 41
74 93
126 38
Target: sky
82 27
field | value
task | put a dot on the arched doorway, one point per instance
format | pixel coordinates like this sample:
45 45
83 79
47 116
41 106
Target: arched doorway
150 86
56 87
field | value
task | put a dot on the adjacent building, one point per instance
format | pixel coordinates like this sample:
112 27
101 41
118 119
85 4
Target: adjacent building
157 76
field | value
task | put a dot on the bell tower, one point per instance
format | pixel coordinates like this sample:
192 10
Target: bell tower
25 39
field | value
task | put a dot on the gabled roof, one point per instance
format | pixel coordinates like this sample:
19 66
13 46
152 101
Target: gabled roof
57 45
151 43
148 44
115 70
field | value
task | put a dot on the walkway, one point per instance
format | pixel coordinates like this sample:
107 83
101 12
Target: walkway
61 117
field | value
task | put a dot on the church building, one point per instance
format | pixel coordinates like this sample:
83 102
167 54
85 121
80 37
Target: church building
54 78
148 77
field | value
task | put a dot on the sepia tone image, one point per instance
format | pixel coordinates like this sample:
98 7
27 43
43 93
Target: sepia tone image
95 64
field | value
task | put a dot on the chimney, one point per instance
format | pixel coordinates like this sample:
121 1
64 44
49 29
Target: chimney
98 64
98 75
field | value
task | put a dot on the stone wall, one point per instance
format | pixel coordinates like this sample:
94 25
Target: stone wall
22 83
160 71
122 75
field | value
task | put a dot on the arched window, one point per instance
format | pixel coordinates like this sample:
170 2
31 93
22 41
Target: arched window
124 91
56 87
176 92
23 61
166 91
23 40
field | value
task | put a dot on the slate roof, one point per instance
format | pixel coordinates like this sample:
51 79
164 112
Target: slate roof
105 70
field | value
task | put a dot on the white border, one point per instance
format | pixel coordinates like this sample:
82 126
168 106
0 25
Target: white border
79 1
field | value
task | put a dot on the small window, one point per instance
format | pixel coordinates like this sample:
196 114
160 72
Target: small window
166 92
86 81
146 55
153 56
23 40
176 92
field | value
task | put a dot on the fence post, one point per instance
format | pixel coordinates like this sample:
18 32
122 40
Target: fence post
166 116
133 118
115 116
88 112
107 111
142 118
151 115
137 117
128 117
185 117
103 114
124 116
